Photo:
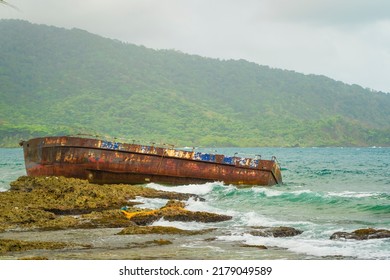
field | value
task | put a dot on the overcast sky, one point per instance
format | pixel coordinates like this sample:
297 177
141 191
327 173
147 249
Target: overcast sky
347 40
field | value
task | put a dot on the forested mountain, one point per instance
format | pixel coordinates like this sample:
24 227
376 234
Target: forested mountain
55 81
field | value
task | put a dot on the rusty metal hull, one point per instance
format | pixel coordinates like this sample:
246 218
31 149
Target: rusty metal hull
103 162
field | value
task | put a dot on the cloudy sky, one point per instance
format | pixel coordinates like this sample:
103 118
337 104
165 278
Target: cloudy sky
347 40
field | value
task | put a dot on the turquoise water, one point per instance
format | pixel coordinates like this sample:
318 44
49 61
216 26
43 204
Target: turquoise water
11 166
325 190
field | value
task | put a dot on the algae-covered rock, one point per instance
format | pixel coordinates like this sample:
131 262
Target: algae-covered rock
35 258
142 217
174 203
275 231
107 219
173 211
183 215
23 216
10 245
161 242
362 234
60 222
160 230
60 194
156 242
51 203
104 219
260 247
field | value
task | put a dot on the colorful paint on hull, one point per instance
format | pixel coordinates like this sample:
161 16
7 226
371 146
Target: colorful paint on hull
102 162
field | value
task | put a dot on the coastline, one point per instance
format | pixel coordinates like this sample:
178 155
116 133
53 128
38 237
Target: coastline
79 220
327 190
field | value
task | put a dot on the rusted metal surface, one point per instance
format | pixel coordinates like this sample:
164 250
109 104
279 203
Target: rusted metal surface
102 161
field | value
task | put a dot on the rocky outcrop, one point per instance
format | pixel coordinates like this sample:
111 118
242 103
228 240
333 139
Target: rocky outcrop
10 245
275 231
362 234
173 211
51 203
151 243
260 247
57 203
102 219
160 230
69 194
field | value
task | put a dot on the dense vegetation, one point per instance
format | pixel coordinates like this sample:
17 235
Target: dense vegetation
55 81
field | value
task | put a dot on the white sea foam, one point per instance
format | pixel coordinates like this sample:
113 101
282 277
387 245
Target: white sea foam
206 206
198 189
369 249
254 219
267 192
182 225
235 237
353 194
150 203
275 193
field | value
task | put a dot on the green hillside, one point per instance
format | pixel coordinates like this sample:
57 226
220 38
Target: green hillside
56 81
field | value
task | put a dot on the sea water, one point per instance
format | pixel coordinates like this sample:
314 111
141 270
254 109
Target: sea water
325 190
11 166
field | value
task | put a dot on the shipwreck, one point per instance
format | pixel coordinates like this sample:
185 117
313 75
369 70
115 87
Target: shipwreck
109 162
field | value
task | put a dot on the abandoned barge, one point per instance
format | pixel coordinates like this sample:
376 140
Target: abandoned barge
106 162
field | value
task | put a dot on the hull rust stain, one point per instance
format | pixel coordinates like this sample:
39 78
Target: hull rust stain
109 162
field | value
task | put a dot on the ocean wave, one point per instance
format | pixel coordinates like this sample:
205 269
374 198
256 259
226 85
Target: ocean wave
254 219
309 196
198 189
384 208
233 201
351 194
